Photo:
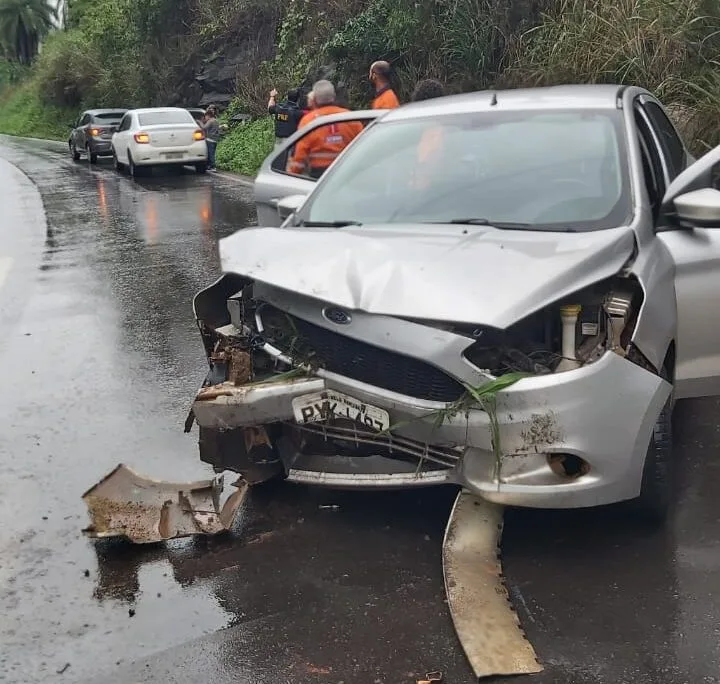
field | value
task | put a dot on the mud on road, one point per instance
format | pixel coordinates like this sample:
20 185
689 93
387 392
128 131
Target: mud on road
100 357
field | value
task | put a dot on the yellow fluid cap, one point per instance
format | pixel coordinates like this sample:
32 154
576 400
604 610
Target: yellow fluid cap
570 310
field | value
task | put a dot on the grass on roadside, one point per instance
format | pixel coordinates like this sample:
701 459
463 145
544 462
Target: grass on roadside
22 113
245 147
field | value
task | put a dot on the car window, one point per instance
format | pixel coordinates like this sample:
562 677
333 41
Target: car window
672 145
124 123
555 170
313 153
161 118
85 119
652 165
107 118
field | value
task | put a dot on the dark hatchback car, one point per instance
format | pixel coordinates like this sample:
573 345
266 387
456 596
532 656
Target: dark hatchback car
92 133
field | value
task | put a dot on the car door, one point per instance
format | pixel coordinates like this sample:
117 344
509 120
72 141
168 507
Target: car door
274 181
695 249
120 138
77 136
82 131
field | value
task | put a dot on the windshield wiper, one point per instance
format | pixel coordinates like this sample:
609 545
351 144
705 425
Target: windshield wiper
329 224
509 225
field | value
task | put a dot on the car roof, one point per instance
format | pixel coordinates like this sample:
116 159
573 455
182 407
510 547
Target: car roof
94 112
587 96
150 110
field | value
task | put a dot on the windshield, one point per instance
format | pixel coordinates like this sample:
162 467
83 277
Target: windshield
161 118
547 170
108 118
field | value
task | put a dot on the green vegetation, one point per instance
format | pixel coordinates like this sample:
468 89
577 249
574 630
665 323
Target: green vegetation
133 52
243 149
23 24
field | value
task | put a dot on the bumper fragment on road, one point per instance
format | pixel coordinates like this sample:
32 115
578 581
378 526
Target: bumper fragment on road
486 624
125 504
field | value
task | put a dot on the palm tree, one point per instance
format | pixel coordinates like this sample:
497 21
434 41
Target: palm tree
23 24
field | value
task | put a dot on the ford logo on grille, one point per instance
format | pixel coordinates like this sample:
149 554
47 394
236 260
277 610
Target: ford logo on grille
335 315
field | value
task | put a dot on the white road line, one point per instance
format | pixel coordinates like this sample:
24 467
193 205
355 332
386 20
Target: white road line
5 266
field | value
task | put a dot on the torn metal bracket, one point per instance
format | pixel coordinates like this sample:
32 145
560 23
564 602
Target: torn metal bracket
486 624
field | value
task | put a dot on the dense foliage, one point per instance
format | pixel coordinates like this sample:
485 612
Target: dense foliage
132 52
23 24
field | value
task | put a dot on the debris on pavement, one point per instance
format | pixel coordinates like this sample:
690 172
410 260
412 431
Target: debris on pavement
431 677
125 504
486 624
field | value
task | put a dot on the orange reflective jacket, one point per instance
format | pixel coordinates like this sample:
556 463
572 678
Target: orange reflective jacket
430 152
320 111
320 148
386 99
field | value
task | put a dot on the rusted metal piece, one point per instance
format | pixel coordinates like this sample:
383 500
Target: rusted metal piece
484 619
125 504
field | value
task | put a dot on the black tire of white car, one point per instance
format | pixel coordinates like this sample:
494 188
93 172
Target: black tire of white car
74 153
657 492
132 169
116 161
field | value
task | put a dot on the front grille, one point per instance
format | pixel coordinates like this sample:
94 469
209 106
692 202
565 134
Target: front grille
306 342
359 441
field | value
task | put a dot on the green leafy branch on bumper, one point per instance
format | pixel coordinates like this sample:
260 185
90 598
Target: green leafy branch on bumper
483 397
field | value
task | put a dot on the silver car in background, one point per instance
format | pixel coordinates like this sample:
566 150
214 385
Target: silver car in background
505 291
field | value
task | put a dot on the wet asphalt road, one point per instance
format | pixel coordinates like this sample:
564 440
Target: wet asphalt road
100 357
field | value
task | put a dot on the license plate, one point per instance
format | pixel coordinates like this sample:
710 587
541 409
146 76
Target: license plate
328 405
173 155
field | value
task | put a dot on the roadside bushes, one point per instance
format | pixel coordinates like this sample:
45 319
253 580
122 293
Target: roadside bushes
670 47
245 147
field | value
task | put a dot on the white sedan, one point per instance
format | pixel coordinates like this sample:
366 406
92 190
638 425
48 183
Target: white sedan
160 136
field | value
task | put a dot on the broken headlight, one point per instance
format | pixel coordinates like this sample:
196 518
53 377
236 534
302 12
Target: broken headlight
568 334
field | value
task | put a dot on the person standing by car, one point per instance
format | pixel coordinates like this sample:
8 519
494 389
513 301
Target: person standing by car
316 151
287 114
212 134
430 147
385 97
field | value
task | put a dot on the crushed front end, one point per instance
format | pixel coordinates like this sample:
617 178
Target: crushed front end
319 394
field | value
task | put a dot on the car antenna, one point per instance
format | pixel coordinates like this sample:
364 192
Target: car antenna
493 102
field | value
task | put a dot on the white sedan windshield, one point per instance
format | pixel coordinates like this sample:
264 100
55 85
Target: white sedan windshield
564 170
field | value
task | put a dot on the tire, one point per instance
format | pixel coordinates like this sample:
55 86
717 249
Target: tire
116 162
132 169
659 478
202 167
92 156
74 152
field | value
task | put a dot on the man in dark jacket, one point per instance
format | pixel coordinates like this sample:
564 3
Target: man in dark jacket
287 114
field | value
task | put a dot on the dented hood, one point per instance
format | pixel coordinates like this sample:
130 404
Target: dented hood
476 275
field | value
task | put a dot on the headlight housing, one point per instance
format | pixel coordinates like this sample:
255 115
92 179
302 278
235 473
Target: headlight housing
568 334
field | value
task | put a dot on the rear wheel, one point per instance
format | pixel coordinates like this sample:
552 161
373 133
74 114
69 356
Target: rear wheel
92 156
657 492
74 152
202 167
132 168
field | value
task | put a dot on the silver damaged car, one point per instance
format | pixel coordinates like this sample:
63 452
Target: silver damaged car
505 291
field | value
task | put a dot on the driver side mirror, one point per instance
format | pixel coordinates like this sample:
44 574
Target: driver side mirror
698 208
289 205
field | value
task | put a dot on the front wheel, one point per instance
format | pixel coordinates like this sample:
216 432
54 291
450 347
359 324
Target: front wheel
116 162
202 167
74 152
657 492
92 156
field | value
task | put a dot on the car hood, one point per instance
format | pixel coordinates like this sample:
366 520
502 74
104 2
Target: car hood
477 275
